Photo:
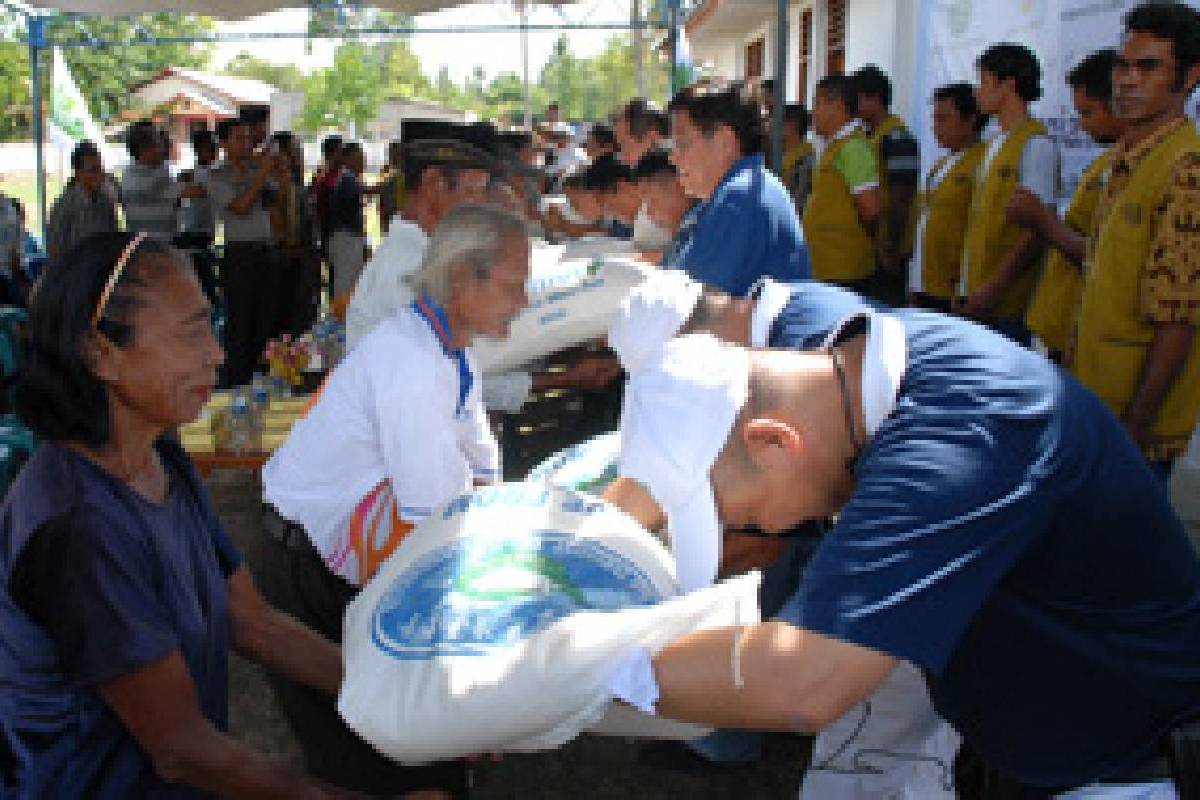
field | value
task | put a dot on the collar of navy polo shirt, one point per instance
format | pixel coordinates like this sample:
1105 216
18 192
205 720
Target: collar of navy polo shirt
773 297
752 161
885 359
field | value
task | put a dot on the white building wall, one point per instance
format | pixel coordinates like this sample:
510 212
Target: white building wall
726 61
884 32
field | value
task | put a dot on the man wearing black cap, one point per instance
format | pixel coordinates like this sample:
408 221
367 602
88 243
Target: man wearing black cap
439 174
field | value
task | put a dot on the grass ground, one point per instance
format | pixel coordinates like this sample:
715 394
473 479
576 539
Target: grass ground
23 186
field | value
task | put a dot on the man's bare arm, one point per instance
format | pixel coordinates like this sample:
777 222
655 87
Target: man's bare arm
1027 210
793 679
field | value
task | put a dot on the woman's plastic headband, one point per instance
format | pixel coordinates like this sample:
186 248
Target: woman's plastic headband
115 277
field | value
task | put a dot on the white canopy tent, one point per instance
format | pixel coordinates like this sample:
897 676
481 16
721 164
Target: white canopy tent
223 9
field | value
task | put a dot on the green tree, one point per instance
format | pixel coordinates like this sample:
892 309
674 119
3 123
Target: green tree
613 76
105 73
445 90
15 110
286 77
347 91
592 88
401 70
562 78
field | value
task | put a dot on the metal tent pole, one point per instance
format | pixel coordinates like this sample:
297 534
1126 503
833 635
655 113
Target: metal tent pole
779 92
639 46
525 66
673 43
37 43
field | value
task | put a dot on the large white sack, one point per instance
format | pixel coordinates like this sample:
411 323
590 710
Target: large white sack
589 466
556 266
498 623
591 247
563 317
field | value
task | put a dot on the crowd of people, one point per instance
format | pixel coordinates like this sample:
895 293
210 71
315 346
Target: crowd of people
939 416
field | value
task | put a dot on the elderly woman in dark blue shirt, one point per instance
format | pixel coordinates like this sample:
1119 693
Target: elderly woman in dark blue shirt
121 593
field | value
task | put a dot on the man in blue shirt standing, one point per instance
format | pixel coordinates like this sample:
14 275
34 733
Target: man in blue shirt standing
995 526
745 224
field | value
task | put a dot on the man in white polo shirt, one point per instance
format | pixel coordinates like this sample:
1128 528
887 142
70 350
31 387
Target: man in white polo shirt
398 430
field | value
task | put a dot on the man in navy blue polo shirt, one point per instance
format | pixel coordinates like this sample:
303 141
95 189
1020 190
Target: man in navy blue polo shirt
745 224
995 526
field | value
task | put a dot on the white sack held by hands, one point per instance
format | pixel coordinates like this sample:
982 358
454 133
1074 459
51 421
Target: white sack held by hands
589 247
562 317
589 466
499 622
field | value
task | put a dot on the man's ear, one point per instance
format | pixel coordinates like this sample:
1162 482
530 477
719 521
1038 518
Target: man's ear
729 141
1191 79
771 444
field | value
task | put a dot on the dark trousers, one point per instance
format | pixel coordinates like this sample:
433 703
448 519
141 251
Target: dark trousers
198 247
249 280
888 288
300 285
929 302
292 577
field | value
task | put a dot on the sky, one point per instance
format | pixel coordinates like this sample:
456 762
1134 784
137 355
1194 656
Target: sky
495 52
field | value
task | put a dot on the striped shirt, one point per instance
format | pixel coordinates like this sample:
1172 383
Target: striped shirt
150 197
76 215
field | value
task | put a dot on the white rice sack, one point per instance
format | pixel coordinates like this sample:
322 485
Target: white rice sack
592 247
560 318
548 269
498 623
589 466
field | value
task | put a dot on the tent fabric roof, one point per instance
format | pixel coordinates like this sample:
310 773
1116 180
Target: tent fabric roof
222 9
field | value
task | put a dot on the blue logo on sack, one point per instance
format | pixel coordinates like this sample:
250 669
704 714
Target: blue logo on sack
481 593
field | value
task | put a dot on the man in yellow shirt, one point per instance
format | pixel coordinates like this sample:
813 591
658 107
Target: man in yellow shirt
1000 258
1135 338
945 198
899 159
843 206
1051 314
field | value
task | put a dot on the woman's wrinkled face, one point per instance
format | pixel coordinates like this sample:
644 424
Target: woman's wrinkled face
166 374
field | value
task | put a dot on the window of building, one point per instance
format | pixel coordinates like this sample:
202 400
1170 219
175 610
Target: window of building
835 37
805 55
754 59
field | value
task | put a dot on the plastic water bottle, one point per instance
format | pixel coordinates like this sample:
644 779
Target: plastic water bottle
241 425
